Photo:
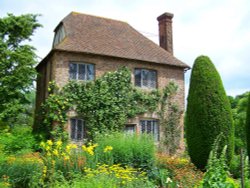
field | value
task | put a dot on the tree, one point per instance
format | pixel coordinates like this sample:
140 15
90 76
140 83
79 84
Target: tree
239 109
17 61
248 126
208 113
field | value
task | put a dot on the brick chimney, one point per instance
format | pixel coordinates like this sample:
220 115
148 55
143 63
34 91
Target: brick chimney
165 31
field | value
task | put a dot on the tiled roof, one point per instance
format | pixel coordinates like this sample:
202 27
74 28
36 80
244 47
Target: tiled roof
102 36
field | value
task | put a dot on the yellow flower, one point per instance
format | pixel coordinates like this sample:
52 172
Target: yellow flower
68 148
44 169
55 152
73 146
53 162
59 143
42 144
107 149
49 142
47 148
84 148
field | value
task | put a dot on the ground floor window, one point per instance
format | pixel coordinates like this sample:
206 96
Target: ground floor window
76 129
129 129
151 127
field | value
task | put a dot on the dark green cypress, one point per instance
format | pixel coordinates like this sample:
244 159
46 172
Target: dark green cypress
208 113
248 126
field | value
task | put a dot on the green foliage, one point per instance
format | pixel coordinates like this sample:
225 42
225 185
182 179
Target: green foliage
235 166
133 150
54 111
217 171
239 110
170 115
17 61
20 172
248 126
108 177
105 104
208 113
16 140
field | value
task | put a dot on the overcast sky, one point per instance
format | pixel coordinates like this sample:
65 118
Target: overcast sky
219 29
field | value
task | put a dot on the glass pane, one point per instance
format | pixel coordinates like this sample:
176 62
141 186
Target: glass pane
73 128
90 72
145 78
81 72
149 127
138 77
143 128
72 71
129 129
152 79
79 129
156 131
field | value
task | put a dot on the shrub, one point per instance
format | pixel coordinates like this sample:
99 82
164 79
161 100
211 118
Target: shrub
216 174
60 161
208 113
180 170
134 150
235 166
17 140
110 176
21 171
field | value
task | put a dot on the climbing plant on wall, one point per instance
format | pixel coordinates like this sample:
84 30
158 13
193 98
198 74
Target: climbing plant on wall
170 115
105 104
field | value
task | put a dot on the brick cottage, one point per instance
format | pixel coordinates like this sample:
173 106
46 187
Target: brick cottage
85 47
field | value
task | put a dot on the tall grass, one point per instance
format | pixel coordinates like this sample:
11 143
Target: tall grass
137 151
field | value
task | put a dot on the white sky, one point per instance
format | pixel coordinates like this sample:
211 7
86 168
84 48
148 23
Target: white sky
219 29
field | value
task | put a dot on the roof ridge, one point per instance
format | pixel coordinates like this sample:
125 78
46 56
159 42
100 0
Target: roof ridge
91 15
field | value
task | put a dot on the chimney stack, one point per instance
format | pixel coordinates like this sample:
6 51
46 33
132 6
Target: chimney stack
165 31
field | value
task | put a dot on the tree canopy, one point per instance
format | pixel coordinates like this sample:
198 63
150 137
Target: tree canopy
248 126
239 109
208 113
17 62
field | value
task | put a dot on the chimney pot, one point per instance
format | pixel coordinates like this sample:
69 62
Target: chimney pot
165 31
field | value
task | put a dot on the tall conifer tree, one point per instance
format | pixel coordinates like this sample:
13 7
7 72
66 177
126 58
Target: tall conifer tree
208 113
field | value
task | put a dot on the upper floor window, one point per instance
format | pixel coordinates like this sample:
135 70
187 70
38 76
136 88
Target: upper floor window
81 71
150 127
59 35
145 78
77 131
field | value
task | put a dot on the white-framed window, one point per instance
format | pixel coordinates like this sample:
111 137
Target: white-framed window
150 127
129 128
81 71
59 35
77 131
145 78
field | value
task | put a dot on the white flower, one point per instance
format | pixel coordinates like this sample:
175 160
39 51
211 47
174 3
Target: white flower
169 180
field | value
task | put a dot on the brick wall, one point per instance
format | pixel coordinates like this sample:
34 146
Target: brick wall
59 70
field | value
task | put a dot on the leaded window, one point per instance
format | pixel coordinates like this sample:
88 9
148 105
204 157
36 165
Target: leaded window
150 127
145 78
59 35
81 71
77 129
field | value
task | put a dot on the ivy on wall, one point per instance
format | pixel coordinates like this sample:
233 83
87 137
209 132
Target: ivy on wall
105 104
170 115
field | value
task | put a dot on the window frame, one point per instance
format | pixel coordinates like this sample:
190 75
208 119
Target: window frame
75 136
130 128
77 63
154 129
141 75
59 35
